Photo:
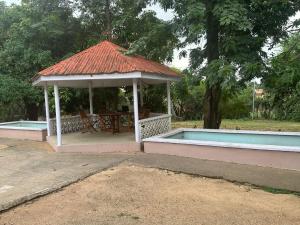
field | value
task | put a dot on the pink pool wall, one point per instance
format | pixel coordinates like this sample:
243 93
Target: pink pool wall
35 135
266 158
132 147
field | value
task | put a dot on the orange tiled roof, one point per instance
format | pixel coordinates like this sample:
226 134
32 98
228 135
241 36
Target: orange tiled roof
105 58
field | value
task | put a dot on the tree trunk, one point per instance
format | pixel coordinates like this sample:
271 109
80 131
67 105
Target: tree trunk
211 109
212 115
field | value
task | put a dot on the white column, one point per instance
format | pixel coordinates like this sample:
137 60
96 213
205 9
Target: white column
57 113
141 93
47 109
169 98
91 98
136 111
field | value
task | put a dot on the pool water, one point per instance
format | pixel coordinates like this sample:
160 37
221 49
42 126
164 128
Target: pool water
241 138
24 124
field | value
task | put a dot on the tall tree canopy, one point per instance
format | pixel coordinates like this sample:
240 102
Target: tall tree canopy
38 33
229 36
282 80
126 23
32 36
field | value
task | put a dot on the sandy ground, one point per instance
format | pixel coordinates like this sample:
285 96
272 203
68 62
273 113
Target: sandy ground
130 194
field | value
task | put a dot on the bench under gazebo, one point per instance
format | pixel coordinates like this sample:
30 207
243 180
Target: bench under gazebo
104 65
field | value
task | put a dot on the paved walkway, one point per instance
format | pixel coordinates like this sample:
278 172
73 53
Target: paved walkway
259 176
30 169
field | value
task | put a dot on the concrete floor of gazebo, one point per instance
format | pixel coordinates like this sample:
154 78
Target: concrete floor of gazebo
97 142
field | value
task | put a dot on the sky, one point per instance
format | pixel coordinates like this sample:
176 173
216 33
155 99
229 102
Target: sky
180 63
11 1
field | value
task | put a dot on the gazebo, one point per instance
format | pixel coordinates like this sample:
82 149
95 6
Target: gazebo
104 65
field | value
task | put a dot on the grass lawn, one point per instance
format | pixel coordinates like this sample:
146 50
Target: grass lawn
271 125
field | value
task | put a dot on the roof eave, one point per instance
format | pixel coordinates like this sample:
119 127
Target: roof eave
41 80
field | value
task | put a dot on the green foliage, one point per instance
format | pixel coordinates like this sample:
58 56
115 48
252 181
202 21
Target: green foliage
238 106
187 96
283 80
223 74
13 96
157 42
38 33
127 24
33 36
233 13
228 37
155 98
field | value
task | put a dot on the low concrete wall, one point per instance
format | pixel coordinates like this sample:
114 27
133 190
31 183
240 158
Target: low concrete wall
35 135
97 147
275 159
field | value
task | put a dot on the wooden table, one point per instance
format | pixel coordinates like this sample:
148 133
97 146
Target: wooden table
115 120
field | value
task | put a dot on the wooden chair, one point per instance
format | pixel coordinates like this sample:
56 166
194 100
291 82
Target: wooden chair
88 125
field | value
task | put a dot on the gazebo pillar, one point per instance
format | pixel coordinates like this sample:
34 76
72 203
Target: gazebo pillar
91 98
47 109
57 114
169 97
136 110
141 93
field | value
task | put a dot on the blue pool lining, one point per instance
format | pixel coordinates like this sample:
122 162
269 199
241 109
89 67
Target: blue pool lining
9 125
162 139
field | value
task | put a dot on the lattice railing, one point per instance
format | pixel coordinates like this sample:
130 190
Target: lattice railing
148 127
70 124
155 125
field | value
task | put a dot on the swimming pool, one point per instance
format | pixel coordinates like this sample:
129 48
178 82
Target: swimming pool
35 125
253 138
31 130
274 149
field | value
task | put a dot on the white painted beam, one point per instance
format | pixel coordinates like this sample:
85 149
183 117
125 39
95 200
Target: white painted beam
67 80
136 111
57 113
47 109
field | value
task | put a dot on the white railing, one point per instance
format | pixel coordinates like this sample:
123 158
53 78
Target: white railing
70 124
154 125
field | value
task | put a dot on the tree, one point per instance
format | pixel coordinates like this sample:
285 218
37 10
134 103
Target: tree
229 36
126 23
185 96
239 105
33 36
283 80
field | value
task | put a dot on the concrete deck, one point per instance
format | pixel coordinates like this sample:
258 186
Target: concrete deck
97 142
30 169
256 175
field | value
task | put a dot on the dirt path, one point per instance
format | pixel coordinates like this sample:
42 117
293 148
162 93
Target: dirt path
135 195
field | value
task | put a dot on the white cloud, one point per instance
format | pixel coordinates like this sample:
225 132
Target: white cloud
161 13
8 2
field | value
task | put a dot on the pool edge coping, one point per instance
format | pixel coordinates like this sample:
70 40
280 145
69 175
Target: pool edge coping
3 126
278 148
